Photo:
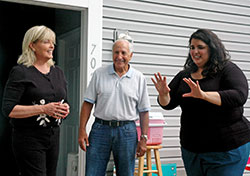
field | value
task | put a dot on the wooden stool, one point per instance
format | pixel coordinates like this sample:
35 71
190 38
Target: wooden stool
148 169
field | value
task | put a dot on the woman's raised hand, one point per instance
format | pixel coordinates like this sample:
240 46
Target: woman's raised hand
161 84
196 91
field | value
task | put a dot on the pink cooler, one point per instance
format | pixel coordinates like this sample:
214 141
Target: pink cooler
155 130
248 165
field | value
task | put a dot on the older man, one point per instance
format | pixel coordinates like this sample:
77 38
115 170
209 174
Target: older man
120 96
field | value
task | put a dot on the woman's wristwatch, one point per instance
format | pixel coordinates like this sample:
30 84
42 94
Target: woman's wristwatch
144 136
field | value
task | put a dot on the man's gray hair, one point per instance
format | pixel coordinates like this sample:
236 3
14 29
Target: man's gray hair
126 37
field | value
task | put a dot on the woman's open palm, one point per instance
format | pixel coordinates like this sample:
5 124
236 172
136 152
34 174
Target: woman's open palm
161 84
196 91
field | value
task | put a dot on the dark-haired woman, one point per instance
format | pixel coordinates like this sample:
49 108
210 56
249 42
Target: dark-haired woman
211 91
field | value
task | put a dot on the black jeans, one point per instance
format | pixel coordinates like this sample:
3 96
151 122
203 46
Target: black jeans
36 150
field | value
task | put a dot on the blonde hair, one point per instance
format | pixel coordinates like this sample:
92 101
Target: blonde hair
34 34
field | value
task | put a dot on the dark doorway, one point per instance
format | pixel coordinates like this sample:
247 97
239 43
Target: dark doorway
15 20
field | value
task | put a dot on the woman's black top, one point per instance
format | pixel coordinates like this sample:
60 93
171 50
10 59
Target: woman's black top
28 86
206 127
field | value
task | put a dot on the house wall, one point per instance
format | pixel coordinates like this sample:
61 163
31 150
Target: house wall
161 30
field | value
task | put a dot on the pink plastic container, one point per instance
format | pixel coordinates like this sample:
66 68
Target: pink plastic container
155 130
248 165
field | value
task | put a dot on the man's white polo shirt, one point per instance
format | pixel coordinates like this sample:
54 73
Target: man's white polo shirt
117 98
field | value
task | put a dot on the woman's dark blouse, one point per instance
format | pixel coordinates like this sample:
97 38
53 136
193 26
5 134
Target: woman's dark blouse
206 127
28 86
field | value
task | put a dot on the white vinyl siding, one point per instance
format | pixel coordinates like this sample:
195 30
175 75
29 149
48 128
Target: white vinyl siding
161 30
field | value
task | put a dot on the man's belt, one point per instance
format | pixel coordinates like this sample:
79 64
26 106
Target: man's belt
113 123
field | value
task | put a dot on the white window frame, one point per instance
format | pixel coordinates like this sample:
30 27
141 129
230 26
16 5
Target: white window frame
91 43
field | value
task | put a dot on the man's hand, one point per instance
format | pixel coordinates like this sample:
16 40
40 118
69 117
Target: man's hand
141 147
83 139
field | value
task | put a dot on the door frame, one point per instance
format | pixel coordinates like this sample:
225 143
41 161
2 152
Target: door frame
91 44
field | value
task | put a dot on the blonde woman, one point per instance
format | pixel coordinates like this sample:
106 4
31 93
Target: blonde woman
35 101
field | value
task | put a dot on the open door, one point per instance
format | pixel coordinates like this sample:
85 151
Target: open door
69 54
78 26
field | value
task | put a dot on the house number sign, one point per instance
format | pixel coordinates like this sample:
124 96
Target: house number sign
93 60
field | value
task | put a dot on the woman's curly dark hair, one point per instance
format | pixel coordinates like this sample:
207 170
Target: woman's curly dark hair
218 54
